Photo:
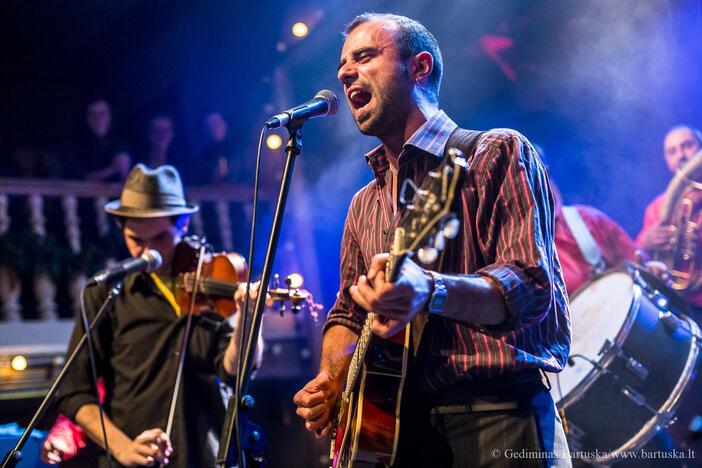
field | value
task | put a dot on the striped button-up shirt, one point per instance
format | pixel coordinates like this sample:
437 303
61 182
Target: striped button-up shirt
507 215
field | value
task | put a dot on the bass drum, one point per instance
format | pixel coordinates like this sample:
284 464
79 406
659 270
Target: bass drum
633 358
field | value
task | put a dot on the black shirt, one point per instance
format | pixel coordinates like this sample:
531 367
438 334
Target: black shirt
136 351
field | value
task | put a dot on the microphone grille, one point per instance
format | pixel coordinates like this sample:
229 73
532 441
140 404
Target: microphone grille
332 101
153 259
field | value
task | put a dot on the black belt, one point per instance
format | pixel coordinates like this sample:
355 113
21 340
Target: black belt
508 391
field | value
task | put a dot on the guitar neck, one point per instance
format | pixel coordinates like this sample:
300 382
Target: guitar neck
392 269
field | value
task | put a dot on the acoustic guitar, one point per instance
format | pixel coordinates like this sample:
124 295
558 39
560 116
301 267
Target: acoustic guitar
366 428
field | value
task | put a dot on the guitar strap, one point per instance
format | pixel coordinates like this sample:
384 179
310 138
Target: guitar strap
466 141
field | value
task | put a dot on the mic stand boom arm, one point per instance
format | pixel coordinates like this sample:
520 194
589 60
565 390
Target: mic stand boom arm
15 455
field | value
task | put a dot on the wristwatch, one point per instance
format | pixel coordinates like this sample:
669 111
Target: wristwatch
439 294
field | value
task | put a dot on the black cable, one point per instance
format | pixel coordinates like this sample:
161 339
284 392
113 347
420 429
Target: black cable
93 371
242 324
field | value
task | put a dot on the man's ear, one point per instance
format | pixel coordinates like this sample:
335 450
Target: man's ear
185 226
421 66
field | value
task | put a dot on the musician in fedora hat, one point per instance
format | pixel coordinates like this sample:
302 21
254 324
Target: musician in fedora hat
136 345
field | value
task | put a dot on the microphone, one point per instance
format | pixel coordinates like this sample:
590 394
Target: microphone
324 104
149 261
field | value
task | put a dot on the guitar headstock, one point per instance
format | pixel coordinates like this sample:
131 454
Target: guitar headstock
428 220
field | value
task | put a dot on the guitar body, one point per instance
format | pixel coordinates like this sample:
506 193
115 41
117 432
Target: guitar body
369 419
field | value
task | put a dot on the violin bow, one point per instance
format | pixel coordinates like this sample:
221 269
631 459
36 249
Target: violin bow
186 339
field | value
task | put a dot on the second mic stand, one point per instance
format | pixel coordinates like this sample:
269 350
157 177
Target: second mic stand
229 454
15 455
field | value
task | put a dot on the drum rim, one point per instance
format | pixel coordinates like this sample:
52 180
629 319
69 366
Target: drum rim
608 356
666 412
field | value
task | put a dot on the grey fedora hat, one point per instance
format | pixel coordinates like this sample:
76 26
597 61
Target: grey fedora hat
151 193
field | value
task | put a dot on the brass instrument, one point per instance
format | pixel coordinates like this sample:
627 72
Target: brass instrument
682 208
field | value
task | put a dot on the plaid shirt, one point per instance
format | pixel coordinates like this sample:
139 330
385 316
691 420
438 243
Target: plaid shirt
507 232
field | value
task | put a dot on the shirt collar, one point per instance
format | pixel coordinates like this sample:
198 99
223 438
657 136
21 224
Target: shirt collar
430 138
137 281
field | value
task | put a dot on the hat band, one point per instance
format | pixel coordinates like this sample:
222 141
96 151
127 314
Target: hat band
139 200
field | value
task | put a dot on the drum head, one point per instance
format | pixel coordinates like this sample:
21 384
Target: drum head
598 312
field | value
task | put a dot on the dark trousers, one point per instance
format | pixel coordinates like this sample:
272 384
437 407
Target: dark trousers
516 430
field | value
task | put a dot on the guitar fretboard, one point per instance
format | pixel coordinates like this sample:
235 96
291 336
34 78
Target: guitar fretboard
362 344
359 353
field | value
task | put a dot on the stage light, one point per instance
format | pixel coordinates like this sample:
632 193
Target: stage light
19 363
294 281
274 142
300 29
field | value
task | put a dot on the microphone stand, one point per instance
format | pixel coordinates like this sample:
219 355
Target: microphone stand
15 455
229 454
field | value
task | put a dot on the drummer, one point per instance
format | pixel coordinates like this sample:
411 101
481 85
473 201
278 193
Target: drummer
589 242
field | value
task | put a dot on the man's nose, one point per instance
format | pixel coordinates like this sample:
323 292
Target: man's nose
682 161
347 74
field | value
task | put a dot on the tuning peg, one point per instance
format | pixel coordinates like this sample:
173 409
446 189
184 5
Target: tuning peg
427 255
451 228
439 241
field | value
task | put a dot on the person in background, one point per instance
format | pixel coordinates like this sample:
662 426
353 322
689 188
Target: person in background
101 156
217 158
160 140
138 344
680 145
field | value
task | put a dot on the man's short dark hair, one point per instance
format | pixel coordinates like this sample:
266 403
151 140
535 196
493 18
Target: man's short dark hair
412 38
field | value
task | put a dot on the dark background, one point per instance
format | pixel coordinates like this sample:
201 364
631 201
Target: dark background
596 83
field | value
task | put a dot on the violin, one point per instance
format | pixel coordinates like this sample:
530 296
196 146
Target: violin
221 275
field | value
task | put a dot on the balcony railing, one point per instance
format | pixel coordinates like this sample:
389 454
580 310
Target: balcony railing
54 233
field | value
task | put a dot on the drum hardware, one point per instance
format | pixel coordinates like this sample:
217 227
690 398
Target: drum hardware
636 368
606 347
653 294
637 398
663 418
595 364
632 365
673 323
